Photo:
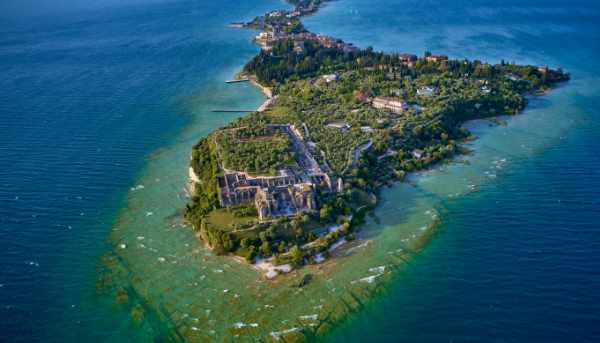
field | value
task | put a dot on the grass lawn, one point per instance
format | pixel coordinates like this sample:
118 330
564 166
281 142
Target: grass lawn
225 219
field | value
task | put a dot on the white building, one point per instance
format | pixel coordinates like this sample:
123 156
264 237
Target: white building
367 129
425 91
330 77
418 153
393 104
339 125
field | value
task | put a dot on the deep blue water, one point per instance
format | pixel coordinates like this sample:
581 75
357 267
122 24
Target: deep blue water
517 261
88 91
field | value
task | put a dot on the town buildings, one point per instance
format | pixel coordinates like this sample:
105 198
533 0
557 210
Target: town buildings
393 104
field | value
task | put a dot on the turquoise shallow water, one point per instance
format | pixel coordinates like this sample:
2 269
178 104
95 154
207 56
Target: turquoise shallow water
99 99
516 260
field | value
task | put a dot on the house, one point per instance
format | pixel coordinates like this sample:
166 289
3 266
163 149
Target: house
393 104
426 91
339 125
330 77
486 90
407 58
418 153
436 58
367 129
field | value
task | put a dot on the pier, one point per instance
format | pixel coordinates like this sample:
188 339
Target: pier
230 111
235 81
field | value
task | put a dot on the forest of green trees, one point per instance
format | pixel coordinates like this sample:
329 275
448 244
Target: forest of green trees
458 90
257 155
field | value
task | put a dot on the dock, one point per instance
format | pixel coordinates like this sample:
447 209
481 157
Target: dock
231 111
240 80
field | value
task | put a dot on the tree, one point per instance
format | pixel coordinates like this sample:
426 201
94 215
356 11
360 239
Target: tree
228 243
281 247
297 257
251 253
245 242
265 248
325 213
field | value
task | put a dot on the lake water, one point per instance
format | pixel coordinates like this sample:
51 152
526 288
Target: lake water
101 103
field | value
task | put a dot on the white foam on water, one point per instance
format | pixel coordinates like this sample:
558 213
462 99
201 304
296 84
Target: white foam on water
136 188
368 279
309 317
240 325
378 270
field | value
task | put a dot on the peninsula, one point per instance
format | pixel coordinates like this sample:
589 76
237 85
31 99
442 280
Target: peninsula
290 182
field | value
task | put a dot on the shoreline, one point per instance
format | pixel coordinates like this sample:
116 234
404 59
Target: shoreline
268 93
378 276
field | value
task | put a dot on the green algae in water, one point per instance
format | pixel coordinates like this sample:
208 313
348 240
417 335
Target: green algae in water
180 291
